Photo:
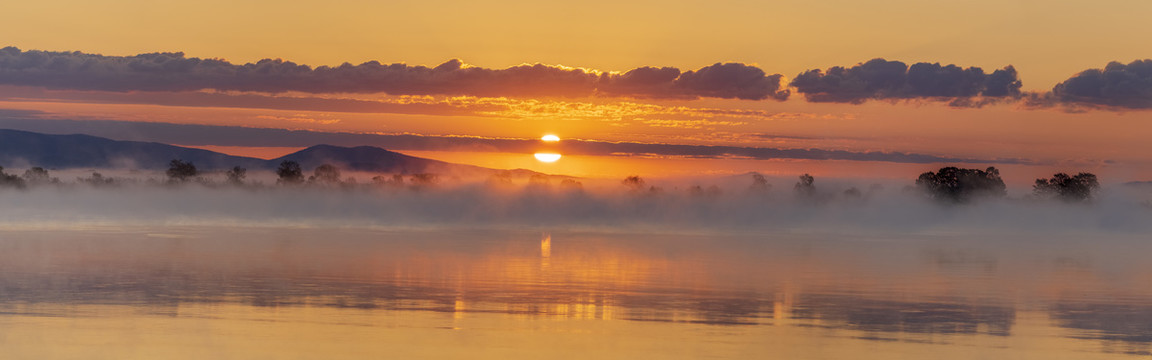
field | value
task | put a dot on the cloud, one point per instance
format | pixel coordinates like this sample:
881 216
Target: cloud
188 134
250 101
880 79
720 80
176 72
1117 85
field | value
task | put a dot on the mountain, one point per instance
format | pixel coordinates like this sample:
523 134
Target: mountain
371 159
22 148
84 151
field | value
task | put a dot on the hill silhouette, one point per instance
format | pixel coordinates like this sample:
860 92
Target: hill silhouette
23 148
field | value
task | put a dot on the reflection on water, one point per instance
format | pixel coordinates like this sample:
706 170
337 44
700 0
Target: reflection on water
268 291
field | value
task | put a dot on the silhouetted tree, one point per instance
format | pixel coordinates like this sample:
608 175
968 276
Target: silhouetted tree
571 185
10 180
236 175
97 179
180 171
806 186
38 175
325 174
396 180
289 173
634 183
423 180
759 184
699 191
1081 187
538 183
853 193
539 180
956 185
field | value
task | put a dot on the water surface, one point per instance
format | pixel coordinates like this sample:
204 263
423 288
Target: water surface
360 292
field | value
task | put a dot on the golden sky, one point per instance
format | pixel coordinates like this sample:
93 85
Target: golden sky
1046 42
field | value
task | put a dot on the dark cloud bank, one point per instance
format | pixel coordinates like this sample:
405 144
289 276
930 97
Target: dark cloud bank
175 72
1117 86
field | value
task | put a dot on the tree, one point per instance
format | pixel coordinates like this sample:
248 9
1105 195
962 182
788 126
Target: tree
38 175
181 171
10 180
956 185
853 193
423 180
634 183
236 175
709 192
806 186
289 173
571 185
759 184
325 174
97 180
396 180
1079 188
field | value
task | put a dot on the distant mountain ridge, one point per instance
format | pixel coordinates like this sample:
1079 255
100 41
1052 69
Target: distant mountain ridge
23 148
368 158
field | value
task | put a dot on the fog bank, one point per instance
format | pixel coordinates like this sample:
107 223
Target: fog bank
731 205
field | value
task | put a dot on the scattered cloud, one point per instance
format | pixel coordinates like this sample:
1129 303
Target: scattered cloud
880 79
302 118
1117 86
720 80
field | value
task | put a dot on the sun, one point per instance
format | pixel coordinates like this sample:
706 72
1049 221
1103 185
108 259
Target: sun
550 138
547 157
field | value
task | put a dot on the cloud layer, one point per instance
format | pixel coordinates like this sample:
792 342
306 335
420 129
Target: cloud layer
883 79
1117 86
176 72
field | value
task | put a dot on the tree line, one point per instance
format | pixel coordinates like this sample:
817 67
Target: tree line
949 185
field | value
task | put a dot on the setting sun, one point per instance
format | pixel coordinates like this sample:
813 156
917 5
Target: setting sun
547 157
550 138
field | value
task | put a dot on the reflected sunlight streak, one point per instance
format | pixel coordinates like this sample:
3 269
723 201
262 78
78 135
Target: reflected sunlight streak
547 157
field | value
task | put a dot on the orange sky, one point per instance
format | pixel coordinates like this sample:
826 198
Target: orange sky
1046 41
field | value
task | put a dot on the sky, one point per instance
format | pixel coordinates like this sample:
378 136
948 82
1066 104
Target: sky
680 87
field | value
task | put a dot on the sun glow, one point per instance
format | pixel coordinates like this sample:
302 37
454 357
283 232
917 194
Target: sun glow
547 157
550 138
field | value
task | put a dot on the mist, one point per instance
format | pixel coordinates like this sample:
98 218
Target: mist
706 204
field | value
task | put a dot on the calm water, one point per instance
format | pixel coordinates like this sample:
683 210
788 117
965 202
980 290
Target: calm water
361 293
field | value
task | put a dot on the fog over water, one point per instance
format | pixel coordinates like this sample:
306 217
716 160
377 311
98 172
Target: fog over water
508 267
705 204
